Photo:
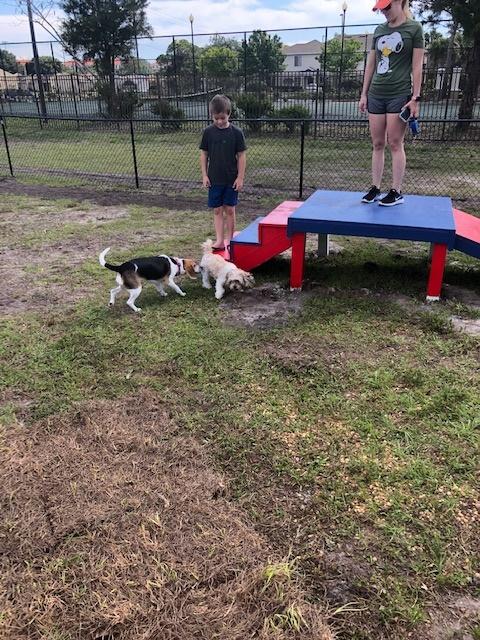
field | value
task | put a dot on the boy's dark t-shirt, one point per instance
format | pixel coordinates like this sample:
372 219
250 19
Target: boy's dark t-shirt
222 146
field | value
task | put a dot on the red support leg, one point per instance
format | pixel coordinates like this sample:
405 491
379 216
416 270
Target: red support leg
298 260
435 279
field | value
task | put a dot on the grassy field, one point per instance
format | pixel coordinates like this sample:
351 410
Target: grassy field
336 159
345 422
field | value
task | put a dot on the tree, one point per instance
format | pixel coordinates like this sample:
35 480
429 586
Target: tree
131 66
178 60
48 66
466 14
104 30
8 61
219 62
352 54
264 53
221 41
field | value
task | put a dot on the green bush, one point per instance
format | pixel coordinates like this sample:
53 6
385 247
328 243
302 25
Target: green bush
254 107
295 112
120 103
169 114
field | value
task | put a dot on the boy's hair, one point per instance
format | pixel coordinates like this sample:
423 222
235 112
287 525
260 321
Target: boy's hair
220 104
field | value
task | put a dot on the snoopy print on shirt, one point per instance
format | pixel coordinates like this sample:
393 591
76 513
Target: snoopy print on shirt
388 45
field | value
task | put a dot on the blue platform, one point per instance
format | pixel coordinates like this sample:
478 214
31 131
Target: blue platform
249 235
421 218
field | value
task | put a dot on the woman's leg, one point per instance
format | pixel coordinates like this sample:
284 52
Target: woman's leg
378 132
395 134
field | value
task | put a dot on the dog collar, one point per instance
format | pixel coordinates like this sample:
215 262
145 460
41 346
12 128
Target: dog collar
178 263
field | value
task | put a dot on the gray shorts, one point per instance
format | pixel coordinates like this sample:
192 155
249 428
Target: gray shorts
377 105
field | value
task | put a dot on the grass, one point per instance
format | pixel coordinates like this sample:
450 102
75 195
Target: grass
105 155
351 431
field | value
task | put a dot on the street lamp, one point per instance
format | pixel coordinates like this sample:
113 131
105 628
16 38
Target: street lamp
344 11
193 56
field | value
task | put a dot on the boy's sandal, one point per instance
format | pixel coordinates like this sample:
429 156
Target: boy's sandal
222 248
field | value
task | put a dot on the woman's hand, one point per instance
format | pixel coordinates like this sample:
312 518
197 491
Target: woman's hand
362 105
414 107
206 182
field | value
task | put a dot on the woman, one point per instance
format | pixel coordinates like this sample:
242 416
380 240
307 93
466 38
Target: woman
396 57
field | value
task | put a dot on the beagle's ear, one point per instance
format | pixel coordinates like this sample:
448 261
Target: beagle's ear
191 268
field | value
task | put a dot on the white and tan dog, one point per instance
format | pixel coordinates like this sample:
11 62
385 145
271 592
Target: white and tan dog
227 276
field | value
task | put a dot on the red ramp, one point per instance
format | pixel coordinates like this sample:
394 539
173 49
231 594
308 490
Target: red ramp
264 238
467 238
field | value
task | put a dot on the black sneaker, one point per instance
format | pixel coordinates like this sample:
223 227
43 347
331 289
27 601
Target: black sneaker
391 199
372 195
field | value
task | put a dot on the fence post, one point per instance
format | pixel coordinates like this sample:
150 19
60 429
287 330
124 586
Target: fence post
56 80
36 102
4 129
74 101
302 153
324 87
317 88
134 153
245 61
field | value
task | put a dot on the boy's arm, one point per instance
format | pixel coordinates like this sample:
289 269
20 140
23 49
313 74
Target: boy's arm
203 166
241 166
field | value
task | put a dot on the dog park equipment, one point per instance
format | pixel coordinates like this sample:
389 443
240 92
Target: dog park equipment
264 238
421 218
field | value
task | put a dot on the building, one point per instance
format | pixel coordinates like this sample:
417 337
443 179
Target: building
8 81
303 56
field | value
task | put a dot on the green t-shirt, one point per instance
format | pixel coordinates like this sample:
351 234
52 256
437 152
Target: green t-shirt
394 47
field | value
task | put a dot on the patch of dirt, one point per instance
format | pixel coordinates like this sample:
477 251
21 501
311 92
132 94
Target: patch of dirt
460 294
43 215
462 325
295 354
264 307
465 325
115 524
104 197
38 278
454 618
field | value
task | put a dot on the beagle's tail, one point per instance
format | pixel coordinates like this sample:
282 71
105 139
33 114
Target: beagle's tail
207 246
101 259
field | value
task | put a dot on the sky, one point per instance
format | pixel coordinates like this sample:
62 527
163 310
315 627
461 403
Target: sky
210 16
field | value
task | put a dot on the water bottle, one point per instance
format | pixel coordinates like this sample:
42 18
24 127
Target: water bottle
414 127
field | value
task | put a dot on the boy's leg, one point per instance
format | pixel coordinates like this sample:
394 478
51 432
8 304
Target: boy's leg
229 223
215 201
218 222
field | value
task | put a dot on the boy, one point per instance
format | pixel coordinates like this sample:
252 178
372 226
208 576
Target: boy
223 161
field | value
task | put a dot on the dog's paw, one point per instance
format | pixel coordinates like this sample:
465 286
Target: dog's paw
219 296
207 286
138 310
182 293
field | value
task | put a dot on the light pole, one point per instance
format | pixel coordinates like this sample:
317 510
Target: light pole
193 56
344 11
36 62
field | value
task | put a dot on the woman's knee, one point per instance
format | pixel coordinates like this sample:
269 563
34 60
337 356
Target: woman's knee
378 144
395 144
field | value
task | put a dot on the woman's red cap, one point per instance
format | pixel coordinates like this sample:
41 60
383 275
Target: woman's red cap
381 4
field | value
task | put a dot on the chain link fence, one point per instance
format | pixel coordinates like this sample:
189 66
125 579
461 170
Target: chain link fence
285 158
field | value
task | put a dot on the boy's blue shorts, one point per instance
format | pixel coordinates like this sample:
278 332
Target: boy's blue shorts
220 194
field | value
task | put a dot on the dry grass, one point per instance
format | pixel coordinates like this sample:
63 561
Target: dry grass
115 525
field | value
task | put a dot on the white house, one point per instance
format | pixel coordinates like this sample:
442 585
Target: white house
301 57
